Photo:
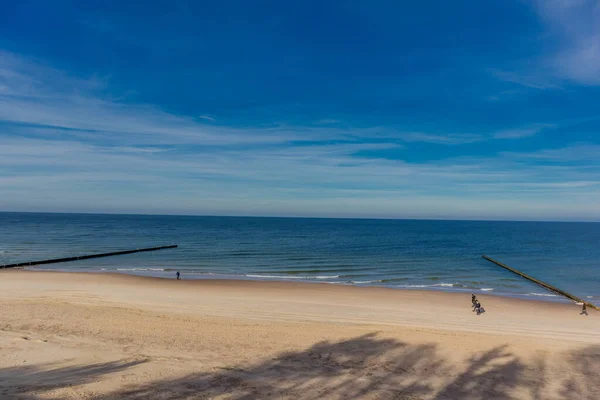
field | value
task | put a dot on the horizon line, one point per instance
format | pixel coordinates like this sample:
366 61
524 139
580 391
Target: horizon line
301 217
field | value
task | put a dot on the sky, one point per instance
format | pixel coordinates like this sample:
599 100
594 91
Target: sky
383 109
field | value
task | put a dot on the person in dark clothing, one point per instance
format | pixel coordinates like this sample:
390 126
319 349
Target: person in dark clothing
473 301
583 310
178 274
478 307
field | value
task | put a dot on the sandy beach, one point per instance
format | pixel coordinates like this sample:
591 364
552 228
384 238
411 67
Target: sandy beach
104 336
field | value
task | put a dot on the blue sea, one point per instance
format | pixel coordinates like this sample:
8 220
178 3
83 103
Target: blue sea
403 254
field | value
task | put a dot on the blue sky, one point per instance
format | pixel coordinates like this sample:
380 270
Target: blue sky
432 109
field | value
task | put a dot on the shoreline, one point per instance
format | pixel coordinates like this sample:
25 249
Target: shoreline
301 287
544 295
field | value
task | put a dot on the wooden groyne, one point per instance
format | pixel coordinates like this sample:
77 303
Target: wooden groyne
542 284
86 257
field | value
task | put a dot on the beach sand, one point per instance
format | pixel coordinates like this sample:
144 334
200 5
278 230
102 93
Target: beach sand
105 336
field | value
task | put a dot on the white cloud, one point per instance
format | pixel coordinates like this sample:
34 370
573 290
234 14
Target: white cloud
576 26
518 133
328 121
586 153
566 185
447 139
36 95
49 102
571 44
67 146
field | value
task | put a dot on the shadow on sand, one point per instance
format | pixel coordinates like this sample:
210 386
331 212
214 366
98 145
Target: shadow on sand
363 367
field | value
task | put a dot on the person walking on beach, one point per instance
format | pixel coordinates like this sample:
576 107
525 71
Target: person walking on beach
178 273
583 310
473 301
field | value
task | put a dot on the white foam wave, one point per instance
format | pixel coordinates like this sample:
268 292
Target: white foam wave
364 282
293 277
137 269
457 286
441 285
273 276
414 286
542 294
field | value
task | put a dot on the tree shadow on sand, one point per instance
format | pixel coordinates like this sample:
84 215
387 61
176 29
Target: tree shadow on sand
354 368
584 383
24 382
364 367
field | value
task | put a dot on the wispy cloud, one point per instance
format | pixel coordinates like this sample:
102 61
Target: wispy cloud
33 94
83 150
571 49
582 152
575 25
446 139
530 79
295 180
519 133
328 121
48 102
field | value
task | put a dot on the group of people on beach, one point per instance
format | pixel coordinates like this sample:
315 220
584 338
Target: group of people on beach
479 309
476 305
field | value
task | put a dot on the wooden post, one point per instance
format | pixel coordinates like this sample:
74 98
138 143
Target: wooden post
542 284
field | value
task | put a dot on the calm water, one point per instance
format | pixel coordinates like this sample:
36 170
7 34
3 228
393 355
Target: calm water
437 255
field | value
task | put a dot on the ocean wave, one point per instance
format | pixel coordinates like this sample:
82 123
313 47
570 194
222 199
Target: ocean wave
457 286
542 294
393 280
293 277
414 286
365 282
135 269
430 286
306 271
245 253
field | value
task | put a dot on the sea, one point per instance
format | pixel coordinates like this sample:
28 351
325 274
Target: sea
399 254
